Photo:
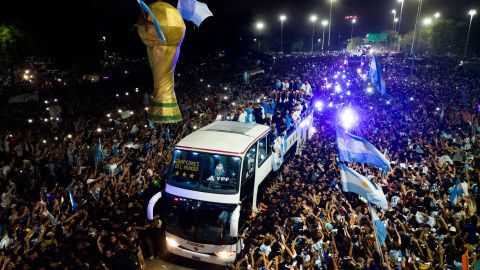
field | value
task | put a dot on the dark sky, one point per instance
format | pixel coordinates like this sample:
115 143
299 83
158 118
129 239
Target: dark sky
73 28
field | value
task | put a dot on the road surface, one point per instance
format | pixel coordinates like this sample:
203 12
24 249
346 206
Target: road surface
168 261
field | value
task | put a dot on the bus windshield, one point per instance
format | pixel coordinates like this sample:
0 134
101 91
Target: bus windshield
205 172
199 221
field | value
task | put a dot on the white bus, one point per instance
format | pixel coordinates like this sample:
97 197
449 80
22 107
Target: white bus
213 183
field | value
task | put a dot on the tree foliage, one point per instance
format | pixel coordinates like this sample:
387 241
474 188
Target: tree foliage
9 36
354 43
448 37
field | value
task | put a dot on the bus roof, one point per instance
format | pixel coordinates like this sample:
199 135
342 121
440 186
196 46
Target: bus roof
224 137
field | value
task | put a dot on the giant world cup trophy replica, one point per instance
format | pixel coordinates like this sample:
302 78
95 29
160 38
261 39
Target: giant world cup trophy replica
163 57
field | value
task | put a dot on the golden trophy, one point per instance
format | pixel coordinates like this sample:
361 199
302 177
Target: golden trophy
163 57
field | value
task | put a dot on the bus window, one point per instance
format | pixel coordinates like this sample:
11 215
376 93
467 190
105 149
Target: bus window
205 172
263 150
248 174
269 143
249 163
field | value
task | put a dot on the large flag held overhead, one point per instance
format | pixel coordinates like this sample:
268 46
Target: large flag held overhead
380 231
158 29
99 151
352 148
375 73
357 183
193 11
456 192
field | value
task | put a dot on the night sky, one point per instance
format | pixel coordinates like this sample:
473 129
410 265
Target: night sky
72 29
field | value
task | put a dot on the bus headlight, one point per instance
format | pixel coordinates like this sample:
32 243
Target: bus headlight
171 242
225 254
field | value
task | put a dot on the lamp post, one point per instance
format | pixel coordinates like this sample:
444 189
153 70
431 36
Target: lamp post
330 20
472 13
394 12
282 19
415 30
324 24
427 21
399 24
313 19
436 16
351 31
259 27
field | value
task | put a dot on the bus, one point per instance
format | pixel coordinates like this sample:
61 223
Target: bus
213 184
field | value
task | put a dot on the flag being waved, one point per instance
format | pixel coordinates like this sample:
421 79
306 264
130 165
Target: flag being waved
357 183
456 192
156 24
375 73
352 148
380 231
193 11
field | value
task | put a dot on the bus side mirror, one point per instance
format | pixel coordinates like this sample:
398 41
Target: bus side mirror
234 222
151 205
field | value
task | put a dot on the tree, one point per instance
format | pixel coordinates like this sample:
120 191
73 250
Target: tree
297 46
354 43
9 36
448 37
422 43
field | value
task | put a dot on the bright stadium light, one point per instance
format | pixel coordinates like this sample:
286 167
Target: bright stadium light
338 88
348 118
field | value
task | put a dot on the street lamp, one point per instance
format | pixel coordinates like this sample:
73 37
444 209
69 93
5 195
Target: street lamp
399 24
394 12
259 27
324 24
351 31
415 30
427 21
472 13
282 19
436 16
330 20
313 19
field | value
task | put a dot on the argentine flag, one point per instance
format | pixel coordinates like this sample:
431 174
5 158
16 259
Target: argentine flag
158 29
357 183
456 192
352 148
99 151
375 73
379 227
193 11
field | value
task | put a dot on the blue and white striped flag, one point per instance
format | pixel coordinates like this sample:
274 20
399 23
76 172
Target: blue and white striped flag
72 200
357 183
193 11
375 73
380 231
456 192
99 151
158 29
352 148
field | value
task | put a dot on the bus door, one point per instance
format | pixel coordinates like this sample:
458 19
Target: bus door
247 184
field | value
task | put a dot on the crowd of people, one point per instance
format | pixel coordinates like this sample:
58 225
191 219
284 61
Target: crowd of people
74 190
427 127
